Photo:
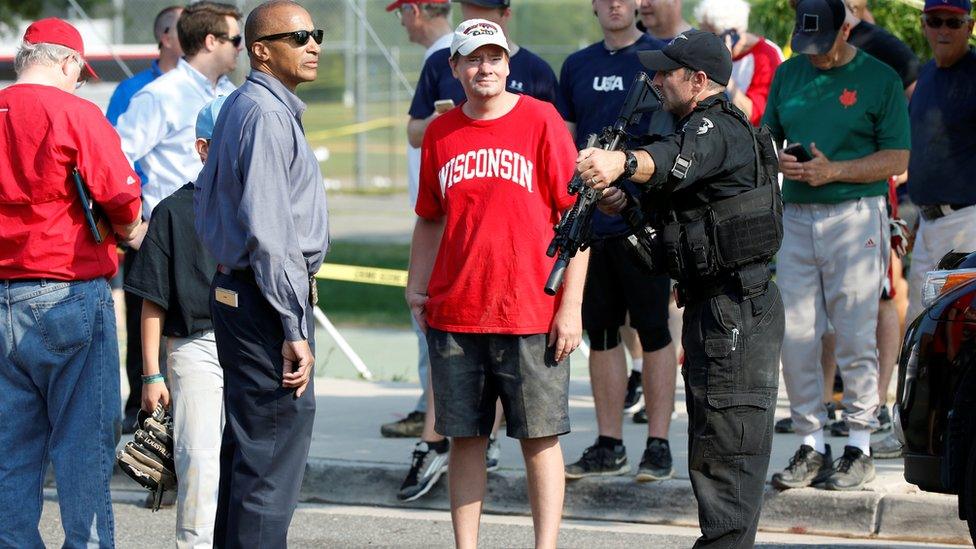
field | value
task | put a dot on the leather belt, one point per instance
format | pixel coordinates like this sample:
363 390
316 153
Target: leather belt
243 275
247 275
937 211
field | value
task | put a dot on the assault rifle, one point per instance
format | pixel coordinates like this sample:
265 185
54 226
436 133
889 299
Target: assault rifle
574 230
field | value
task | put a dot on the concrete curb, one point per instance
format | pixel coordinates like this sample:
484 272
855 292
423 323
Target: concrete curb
863 514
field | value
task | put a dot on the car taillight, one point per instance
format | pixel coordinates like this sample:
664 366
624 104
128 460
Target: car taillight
940 282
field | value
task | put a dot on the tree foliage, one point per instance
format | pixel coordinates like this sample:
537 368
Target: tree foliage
774 19
13 10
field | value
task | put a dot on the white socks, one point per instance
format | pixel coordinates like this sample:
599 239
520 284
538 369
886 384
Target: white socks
637 365
816 440
860 438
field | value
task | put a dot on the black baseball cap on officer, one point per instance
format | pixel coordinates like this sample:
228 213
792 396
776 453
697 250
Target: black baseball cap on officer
817 25
696 50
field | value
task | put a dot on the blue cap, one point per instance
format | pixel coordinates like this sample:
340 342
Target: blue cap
960 6
486 3
208 117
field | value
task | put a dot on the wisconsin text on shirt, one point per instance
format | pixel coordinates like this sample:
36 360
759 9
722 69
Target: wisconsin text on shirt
486 163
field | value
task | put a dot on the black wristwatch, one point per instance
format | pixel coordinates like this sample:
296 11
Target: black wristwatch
630 165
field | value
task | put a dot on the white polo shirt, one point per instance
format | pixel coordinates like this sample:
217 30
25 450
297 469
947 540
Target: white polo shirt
157 130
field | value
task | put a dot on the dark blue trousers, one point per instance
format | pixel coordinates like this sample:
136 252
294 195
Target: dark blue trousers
267 431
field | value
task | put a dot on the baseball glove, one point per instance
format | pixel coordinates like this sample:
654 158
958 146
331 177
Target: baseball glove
148 459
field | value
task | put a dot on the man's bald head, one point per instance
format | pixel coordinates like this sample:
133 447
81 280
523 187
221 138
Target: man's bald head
269 18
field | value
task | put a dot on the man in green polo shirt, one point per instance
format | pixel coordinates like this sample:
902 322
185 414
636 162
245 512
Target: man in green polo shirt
848 111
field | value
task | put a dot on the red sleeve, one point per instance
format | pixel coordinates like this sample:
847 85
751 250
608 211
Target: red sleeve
113 183
429 205
765 61
559 152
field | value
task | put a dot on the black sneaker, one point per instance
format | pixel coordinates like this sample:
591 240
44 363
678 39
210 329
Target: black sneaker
884 418
640 416
806 467
635 393
411 426
425 470
656 464
599 461
851 471
784 425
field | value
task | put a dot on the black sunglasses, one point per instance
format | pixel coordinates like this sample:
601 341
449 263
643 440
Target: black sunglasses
300 37
236 40
935 22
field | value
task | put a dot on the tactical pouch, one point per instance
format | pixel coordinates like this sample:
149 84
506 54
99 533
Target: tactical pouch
746 228
671 235
699 248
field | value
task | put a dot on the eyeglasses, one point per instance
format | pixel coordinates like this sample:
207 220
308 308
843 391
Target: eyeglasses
935 22
300 36
236 40
82 78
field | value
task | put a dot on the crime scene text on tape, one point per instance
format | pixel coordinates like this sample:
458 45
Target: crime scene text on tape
365 275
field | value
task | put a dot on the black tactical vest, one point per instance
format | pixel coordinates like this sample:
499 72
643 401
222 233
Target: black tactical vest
734 237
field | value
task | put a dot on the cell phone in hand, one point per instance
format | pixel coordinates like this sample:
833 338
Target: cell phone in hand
443 105
799 151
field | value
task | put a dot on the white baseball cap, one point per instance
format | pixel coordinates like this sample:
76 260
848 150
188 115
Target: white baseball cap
474 33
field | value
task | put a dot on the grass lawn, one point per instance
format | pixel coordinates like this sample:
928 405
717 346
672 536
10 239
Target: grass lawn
353 303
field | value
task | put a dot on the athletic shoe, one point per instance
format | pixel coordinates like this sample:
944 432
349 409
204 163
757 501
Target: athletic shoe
851 471
640 416
884 418
785 425
411 426
599 461
656 463
492 454
806 467
426 469
887 448
635 393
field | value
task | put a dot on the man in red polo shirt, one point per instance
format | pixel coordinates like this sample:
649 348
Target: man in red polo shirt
59 358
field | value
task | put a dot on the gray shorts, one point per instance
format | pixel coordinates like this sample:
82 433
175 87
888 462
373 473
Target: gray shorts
471 371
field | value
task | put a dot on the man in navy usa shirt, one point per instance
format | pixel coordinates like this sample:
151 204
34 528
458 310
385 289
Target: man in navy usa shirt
530 74
593 85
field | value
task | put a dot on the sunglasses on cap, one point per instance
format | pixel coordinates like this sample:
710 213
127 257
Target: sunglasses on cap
300 37
235 40
935 22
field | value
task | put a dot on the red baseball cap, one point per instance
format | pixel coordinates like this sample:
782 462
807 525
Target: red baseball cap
58 31
398 3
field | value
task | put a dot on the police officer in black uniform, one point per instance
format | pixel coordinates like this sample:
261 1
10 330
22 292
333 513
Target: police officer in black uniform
713 188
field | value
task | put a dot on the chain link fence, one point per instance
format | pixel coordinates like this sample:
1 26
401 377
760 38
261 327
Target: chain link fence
356 120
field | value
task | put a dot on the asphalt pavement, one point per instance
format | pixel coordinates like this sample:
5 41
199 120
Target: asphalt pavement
350 526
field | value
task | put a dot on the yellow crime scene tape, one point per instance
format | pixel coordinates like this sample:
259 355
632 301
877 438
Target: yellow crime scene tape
353 129
366 275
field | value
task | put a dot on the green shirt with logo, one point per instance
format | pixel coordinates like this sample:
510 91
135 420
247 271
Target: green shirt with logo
849 112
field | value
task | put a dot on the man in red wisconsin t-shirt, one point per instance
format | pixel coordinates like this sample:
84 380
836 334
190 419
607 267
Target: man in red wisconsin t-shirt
59 357
492 184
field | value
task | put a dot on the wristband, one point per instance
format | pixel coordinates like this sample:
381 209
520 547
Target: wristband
154 378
